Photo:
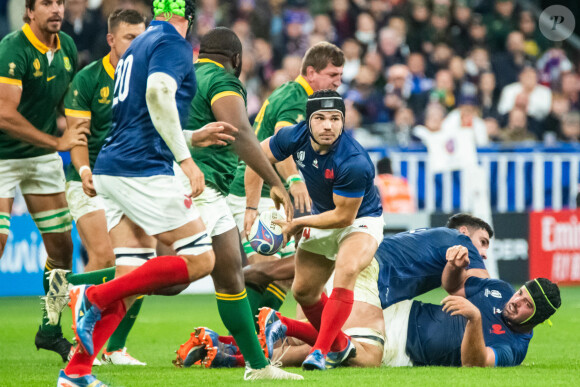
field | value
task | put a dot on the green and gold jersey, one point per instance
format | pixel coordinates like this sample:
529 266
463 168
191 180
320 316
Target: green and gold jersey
90 96
218 163
286 106
44 77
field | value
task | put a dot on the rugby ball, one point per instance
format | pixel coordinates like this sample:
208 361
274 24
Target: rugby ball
266 237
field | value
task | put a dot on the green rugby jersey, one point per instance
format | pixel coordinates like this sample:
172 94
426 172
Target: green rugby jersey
24 62
286 106
218 163
90 96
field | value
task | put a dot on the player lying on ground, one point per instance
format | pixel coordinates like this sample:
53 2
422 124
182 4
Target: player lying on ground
405 266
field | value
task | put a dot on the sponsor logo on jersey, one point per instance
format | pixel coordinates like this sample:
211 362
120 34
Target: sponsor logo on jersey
105 95
497 329
11 68
187 201
67 64
329 173
300 158
494 293
50 78
315 163
496 311
36 65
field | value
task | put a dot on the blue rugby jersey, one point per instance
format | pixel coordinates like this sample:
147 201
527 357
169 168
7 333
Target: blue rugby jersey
134 148
346 170
411 263
434 337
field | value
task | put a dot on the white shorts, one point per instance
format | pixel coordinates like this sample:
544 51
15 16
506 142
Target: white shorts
214 211
41 175
156 203
396 327
79 203
366 288
327 242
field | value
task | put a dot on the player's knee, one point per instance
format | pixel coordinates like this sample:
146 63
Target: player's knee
305 296
102 256
200 265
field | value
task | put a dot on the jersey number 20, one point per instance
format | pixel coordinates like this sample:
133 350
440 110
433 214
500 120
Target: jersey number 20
123 77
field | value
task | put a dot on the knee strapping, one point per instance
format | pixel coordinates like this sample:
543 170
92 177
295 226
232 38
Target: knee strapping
366 335
53 221
4 223
193 245
128 256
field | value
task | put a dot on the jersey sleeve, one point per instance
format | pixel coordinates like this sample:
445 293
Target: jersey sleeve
475 259
78 98
227 86
173 58
505 356
352 178
12 65
285 142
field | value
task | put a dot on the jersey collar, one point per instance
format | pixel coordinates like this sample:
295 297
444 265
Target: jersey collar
205 60
300 80
36 42
108 66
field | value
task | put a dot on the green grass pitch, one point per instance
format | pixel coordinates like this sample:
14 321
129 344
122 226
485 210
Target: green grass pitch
165 323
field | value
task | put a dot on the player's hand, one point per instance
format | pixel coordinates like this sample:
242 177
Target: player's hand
249 218
458 256
72 138
281 197
289 229
195 176
456 305
300 194
214 133
88 186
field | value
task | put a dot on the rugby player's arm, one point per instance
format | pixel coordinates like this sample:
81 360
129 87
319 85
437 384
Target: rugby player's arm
287 168
16 125
79 154
474 353
456 273
343 215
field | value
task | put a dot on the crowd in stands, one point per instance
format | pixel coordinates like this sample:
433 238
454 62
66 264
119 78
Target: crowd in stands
411 65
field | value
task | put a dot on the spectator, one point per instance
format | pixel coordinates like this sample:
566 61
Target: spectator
535 42
517 128
465 121
444 91
570 87
292 65
527 95
499 24
87 29
560 107
476 63
552 65
366 31
323 25
295 37
460 27
416 64
477 31
343 19
493 130
395 192
457 68
508 65
264 59
439 58
570 131
390 47
488 97
399 132
366 97
420 15
398 88
352 53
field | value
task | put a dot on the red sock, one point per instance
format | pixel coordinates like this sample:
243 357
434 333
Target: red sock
227 340
154 274
240 362
314 312
334 316
81 362
301 330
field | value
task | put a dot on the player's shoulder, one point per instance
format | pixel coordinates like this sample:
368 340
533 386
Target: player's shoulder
495 288
349 149
289 94
14 44
13 38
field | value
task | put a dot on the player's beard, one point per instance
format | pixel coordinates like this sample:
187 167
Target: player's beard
53 25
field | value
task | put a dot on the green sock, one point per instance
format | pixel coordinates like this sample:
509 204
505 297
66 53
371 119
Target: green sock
119 337
235 313
92 277
45 326
273 297
255 295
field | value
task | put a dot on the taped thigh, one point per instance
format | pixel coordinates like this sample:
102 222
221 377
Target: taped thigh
194 245
53 221
127 256
367 336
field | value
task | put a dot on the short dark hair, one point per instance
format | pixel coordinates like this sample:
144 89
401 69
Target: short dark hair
384 166
469 221
129 16
28 5
220 41
320 55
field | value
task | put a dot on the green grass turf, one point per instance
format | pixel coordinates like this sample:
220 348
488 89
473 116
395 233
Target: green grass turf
165 322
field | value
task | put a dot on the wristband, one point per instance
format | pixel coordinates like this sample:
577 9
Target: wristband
81 169
293 179
252 208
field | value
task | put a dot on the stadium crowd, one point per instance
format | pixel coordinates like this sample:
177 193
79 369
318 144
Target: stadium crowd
408 62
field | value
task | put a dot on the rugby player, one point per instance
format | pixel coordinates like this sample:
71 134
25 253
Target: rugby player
88 105
37 64
133 174
286 106
346 227
221 96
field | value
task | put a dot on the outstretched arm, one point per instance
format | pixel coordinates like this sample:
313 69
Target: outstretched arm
264 273
455 272
474 353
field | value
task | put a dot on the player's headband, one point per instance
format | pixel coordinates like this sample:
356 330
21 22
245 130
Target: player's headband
546 300
324 100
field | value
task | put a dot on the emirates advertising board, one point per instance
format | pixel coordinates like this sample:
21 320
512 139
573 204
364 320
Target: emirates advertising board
555 246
